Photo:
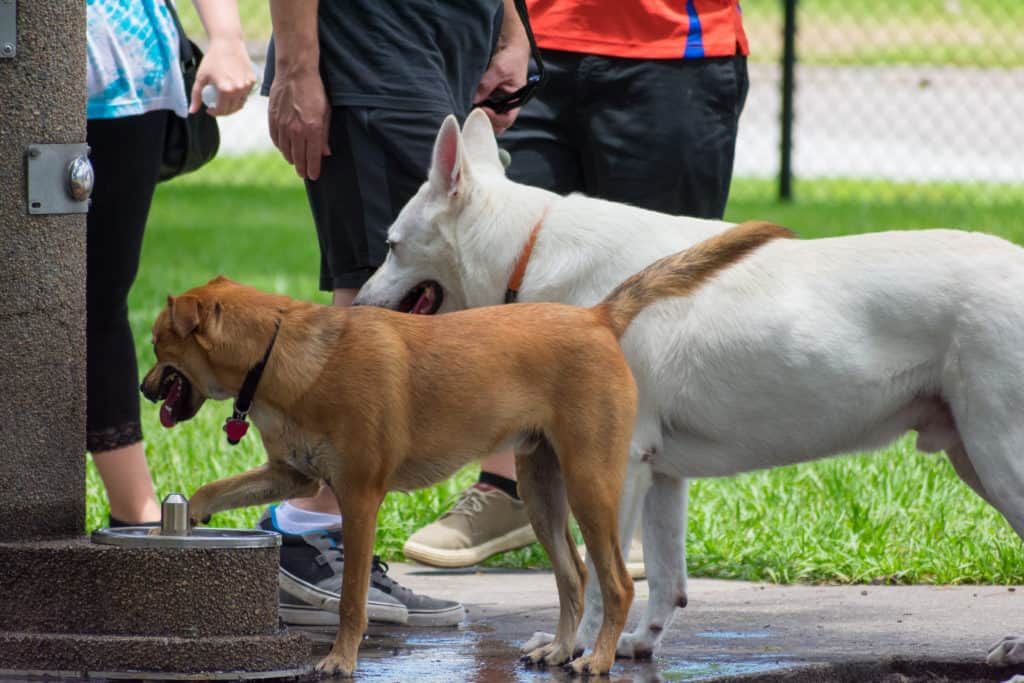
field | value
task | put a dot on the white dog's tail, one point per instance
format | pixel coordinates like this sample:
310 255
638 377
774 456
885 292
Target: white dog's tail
682 273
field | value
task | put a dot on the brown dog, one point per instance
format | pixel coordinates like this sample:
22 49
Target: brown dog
369 400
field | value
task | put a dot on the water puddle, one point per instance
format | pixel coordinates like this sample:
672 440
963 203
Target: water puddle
473 655
699 668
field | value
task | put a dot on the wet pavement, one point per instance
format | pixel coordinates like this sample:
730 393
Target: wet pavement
731 630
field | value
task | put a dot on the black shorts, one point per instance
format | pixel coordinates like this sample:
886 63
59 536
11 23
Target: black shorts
656 133
379 158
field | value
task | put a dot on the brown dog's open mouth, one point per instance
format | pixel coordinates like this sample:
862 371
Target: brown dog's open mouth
176 392
423 299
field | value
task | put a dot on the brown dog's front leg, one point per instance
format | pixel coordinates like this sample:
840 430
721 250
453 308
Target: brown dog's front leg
267 483
359 526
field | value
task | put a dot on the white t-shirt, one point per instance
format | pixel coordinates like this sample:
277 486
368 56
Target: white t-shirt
132 49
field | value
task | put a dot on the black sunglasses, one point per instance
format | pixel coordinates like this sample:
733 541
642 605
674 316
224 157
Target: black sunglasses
508 101
504 102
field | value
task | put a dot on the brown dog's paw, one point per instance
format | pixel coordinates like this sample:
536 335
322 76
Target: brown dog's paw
588 666
199 508
194 521
333 665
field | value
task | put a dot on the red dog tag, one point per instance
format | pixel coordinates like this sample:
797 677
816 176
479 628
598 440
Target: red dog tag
235 429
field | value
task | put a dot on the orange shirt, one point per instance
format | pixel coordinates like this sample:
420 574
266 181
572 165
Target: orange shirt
644 29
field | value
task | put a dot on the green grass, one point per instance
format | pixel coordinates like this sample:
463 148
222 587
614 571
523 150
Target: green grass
897 515
977 33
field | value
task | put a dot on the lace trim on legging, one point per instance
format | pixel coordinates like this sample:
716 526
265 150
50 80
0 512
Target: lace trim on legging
113 437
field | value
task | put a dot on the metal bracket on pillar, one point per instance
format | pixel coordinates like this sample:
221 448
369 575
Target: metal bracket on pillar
60 178
8 28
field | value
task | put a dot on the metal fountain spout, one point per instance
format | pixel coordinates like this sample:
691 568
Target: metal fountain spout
174 516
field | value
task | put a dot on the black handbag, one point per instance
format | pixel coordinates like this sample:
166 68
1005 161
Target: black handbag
192 141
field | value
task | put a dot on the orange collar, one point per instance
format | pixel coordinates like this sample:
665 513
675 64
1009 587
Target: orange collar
515 281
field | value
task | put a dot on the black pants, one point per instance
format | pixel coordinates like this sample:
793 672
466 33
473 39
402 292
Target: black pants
125 156
656 133
379 158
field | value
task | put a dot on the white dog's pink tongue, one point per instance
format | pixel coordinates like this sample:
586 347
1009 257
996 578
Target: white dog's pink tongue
167 409
425 302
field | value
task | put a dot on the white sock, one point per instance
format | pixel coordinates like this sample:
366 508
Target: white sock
295 520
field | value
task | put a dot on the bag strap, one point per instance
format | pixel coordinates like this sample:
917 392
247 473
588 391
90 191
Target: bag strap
185 52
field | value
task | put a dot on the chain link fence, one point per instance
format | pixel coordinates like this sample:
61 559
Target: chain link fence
890 100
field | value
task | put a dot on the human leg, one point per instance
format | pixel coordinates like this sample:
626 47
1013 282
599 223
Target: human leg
379 159
490 518
129 486
126 162
661 134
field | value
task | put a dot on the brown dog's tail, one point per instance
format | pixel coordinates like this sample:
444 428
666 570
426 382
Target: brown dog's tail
682 273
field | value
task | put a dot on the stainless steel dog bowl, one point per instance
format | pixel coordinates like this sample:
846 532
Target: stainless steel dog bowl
174 532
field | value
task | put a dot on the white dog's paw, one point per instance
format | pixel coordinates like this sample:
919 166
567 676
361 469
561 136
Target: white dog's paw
635 646
1009 650
539 639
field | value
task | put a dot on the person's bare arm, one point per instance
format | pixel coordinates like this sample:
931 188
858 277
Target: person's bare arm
299 113
226 63
507 70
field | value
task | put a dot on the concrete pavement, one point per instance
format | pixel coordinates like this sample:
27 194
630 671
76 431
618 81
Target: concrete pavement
731 630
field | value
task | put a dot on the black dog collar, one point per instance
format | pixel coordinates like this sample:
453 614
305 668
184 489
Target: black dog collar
236 426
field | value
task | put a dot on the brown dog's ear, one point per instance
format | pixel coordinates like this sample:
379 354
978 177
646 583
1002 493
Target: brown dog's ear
186 314
210 326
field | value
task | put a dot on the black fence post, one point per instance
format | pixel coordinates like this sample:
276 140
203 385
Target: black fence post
788 83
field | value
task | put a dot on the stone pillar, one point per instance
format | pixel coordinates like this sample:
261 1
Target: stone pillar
67 605
42 283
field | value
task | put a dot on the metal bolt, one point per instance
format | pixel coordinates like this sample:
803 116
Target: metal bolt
34 152
7 50
80 178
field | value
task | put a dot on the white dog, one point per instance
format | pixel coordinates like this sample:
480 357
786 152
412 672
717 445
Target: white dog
803 350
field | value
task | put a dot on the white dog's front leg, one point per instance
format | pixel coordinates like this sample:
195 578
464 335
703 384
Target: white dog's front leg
664 535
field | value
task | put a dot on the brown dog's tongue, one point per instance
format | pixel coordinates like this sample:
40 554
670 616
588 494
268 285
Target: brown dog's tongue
167 409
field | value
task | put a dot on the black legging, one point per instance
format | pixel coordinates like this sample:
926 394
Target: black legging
125 154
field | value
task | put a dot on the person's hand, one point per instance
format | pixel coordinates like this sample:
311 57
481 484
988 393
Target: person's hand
300 117
226 65
506 74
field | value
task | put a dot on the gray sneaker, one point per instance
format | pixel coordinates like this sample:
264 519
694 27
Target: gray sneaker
423 611
309 580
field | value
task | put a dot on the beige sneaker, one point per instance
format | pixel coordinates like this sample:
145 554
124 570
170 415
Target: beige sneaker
484 522
634 559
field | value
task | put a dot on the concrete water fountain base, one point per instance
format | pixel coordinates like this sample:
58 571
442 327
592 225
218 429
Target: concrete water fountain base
77 608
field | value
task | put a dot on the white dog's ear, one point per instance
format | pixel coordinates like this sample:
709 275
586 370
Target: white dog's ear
448 168
478 135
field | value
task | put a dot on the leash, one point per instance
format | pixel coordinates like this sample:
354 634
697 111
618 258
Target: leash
515 281
236 426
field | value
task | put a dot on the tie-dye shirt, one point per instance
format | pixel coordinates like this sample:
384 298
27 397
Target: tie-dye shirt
133 59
